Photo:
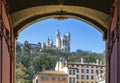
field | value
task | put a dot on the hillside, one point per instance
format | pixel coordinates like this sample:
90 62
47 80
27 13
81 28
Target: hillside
31 60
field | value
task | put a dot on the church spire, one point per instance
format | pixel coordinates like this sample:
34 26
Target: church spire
58 33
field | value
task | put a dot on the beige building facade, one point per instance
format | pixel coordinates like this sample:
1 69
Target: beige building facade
51 77
85 72
59 75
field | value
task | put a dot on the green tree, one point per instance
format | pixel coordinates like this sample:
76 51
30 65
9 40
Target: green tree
31 60
26 57
21 73
18 52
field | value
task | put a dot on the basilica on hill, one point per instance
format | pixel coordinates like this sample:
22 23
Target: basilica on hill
62 43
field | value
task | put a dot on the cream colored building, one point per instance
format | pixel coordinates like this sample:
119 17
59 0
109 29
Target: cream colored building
51 77
80 72
60 75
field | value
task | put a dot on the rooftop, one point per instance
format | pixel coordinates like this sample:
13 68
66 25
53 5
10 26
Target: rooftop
52 72
93 64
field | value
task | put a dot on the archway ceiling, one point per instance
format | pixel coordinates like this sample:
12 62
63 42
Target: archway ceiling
100 5
94 12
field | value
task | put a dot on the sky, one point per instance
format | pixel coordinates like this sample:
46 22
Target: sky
83 35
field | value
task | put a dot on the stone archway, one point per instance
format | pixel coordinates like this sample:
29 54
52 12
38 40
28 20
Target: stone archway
23 18
28 12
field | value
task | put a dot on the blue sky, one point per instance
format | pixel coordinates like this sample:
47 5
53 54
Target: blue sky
83 36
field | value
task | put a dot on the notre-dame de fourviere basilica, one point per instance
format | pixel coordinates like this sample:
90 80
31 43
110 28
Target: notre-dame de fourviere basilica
62 43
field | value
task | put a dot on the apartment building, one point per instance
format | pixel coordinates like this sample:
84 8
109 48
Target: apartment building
85 72
51 77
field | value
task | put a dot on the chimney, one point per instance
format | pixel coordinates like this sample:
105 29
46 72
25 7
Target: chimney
97 61
82 60
100 62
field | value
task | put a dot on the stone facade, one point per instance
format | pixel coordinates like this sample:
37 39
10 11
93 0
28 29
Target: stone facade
61 43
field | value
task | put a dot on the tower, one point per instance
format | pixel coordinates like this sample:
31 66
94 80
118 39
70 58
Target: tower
58 40
68 36
65 42
62 65
48 42
62 43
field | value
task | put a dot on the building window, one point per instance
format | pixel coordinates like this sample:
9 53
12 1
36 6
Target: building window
63 78
87 71
92 71
46 78
82 82
92 77
77 76
36 80
77 82
73 72
96 67
91 66
101 71
87 82
72 65
82 77
101 67
87 66
53 78
73 80
42 78
59 78
87 77
96 71
77 65
82 71
91 82
70 80
101 76
70 72
77 70
82 66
